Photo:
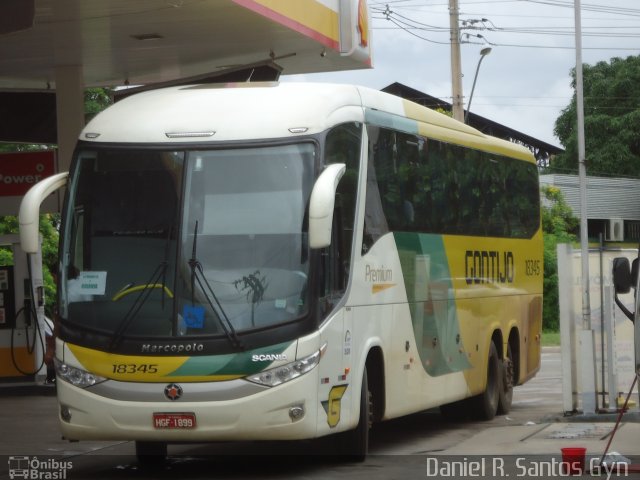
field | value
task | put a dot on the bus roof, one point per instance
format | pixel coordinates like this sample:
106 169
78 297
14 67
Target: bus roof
267 110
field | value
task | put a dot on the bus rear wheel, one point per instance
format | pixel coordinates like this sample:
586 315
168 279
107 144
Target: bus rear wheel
485 405
507 381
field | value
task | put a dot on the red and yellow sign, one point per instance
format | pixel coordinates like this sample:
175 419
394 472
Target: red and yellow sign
20 171
308 17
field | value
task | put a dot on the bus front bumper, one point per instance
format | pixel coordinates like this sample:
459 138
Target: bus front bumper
286 412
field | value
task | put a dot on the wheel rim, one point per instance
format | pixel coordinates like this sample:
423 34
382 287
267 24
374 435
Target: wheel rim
508 374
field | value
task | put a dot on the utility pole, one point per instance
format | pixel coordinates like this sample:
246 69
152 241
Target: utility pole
456 64
587 343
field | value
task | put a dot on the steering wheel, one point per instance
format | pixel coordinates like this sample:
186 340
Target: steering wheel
128 289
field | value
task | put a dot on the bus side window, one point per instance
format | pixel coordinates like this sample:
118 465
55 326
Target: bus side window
375 222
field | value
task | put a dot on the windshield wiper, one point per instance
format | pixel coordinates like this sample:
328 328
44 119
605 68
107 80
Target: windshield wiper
145 291
197 275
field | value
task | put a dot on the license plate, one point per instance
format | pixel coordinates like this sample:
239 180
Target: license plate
174 420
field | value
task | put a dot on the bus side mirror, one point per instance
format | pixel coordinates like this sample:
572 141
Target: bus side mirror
624 278
621 275
321 205
29 216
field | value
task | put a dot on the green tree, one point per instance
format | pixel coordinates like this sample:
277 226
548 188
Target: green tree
22 147
611 120
559 225
96 100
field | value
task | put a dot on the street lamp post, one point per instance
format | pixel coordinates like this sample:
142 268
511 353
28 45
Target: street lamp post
483 53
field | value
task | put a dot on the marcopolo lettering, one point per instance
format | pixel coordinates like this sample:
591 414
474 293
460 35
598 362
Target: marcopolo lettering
488 266
172 348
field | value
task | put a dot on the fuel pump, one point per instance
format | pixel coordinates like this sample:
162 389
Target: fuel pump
22 320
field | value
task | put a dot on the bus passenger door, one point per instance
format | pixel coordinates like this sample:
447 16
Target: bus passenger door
336 389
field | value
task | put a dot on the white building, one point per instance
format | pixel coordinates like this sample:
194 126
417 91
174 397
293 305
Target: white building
613 204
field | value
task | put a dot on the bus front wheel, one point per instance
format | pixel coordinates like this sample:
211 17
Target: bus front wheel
355 443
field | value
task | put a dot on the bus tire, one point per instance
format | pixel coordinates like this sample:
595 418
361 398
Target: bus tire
151 453
485 405
507 381
355 443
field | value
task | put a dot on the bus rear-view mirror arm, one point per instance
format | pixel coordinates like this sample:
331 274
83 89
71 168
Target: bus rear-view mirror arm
29 216
321 205
624 278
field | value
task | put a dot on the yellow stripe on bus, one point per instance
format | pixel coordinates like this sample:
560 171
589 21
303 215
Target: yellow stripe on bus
379 287
127 368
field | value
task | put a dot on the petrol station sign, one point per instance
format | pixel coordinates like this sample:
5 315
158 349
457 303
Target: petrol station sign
21 170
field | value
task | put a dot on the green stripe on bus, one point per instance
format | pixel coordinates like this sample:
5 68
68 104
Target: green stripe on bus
427 280
231 364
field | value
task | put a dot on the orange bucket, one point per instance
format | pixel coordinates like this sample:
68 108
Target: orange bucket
573 459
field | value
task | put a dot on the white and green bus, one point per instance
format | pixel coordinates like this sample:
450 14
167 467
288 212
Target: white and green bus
289 261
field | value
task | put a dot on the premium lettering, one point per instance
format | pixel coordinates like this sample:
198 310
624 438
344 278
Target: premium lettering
488 266
378 274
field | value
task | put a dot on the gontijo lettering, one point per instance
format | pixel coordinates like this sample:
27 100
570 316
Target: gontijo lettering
489 266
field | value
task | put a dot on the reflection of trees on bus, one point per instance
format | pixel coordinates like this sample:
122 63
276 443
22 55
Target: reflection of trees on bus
431 186
255 286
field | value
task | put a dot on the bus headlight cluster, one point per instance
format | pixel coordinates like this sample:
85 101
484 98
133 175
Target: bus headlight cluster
284 373
76 376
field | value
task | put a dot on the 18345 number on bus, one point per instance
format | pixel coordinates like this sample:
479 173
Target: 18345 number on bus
533 268
132 368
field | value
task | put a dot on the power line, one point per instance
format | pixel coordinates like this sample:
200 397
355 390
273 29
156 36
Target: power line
408 30
411 26
470 25
625 11
589 7
557 3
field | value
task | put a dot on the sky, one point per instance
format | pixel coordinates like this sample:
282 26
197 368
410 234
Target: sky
525 82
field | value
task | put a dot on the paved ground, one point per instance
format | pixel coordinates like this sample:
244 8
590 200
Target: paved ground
422 444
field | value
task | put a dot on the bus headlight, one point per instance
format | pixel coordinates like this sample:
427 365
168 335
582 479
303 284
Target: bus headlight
76 376
284 373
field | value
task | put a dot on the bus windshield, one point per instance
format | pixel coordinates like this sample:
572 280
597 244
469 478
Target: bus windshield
162 243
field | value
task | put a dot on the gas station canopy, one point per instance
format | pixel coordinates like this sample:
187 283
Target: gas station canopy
52 50
118 42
